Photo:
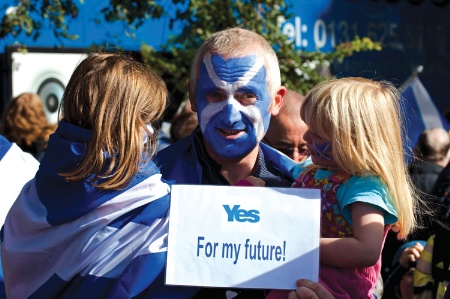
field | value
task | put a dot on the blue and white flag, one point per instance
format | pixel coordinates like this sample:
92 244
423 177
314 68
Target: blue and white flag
16 169
68 239
419 113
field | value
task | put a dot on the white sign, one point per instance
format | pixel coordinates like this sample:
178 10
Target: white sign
243 237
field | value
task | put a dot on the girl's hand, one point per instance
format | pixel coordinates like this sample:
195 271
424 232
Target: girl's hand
410 255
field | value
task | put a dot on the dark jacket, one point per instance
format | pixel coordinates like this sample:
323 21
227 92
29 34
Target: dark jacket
424 174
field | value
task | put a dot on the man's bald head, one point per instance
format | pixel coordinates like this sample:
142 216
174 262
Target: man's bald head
433 145
286 129
291 105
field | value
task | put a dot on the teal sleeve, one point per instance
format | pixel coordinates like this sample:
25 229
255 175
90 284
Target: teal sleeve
368 189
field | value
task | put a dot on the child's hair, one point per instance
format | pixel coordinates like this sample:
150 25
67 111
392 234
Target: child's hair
116 98
361 119
24 120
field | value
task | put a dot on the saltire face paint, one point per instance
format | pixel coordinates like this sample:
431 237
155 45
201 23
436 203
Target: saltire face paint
323 151
233 103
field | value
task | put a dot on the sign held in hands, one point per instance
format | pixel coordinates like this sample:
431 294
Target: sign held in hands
243 237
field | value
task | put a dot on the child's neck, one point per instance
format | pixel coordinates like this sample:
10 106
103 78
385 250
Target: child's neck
332 168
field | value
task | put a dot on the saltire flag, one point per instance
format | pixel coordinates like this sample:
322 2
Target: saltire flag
419 113
68 239
16 169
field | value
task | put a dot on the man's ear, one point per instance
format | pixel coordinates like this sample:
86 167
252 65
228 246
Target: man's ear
192 98
278 100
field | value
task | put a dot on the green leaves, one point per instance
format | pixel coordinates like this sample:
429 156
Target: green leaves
31 16
300 70
133 12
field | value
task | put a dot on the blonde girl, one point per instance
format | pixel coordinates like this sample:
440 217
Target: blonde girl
355 141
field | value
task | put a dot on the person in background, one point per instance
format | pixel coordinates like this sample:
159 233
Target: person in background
441 191
182 125
432 154
24 122
235 88
354 137
399 283
93 222
432 274
285 132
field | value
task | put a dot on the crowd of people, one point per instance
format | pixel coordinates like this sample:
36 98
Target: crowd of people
88 215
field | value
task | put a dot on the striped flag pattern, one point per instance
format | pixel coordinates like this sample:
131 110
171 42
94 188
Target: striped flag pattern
67 239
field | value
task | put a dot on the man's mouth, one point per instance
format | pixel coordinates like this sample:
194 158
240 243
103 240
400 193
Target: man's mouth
231 133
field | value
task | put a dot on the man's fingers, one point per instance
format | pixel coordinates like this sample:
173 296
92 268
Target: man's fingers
303 293
311 290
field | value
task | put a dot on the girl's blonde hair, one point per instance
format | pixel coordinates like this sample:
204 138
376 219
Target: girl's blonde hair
361 119
116 98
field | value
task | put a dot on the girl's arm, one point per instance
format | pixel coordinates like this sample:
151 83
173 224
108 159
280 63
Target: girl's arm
361 250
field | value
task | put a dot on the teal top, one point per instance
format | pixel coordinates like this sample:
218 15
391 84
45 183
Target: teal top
368 189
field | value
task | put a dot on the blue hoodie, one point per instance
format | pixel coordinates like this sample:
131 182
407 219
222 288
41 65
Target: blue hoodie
67 239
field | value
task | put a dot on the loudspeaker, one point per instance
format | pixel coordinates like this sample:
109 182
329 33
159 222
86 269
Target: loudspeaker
45 72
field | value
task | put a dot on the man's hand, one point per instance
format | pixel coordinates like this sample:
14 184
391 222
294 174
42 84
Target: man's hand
307 289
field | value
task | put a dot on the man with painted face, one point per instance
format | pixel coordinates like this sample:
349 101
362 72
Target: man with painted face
235 88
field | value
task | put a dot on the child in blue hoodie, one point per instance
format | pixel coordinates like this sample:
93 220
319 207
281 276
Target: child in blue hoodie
93 222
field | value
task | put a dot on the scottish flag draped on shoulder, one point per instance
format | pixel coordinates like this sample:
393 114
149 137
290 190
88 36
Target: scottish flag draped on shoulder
66 239
419 112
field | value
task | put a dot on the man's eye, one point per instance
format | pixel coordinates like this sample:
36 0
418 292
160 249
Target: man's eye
246 98
248 95
215 96
303 151
288 151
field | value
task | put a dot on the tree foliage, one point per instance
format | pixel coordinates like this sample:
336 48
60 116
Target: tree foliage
300 70
29 16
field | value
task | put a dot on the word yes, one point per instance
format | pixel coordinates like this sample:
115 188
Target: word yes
241 215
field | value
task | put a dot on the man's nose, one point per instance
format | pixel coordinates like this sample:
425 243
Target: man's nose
231 115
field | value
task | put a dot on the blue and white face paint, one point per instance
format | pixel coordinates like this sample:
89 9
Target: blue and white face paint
233 103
